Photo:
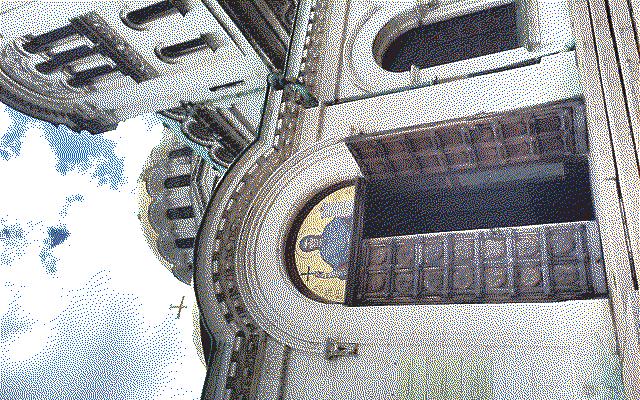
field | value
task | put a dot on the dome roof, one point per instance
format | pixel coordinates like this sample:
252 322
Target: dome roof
168 211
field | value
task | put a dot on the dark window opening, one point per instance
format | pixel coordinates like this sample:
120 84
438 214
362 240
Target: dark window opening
395 209
180 213
183 152
87 77
177 181
141 16
185 243
225 155
473 35
226 86
174 51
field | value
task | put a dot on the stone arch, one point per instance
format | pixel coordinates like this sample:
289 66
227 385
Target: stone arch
409 40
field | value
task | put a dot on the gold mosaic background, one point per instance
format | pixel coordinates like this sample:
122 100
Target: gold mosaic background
331 289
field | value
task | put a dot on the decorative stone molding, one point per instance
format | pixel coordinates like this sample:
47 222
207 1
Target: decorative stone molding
31 107
245 365
222 272
29 92
313 45
226 237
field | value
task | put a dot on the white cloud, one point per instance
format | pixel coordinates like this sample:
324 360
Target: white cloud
105 277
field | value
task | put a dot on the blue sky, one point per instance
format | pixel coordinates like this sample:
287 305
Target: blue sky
84 310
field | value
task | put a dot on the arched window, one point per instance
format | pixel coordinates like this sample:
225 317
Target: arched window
171 53
319 242
136 19
468 36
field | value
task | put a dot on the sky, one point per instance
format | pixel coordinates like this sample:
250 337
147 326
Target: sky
84 304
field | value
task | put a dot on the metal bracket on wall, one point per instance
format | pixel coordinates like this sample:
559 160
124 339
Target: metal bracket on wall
335 349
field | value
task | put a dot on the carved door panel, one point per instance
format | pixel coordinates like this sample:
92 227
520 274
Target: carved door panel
523 264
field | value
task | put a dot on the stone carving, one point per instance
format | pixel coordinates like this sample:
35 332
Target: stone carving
379 255
262 28
432 281
530 275
377 283
226 237
403 283
462 278
496 278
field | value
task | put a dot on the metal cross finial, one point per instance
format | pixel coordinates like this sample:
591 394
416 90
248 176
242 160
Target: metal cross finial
179 307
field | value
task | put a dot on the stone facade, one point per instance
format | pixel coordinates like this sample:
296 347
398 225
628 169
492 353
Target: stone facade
253 151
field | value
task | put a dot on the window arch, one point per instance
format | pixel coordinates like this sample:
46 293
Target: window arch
405 41
318 244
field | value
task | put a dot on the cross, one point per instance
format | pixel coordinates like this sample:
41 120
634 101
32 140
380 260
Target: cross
180 307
